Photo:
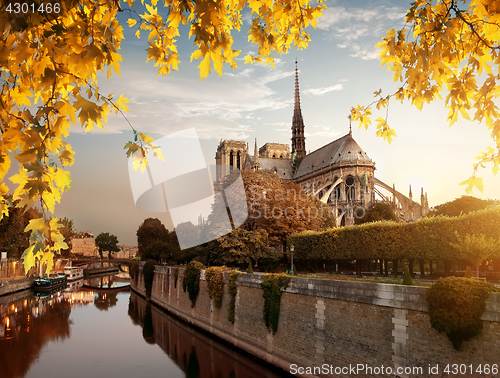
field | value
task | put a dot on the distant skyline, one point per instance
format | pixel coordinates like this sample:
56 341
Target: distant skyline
340 69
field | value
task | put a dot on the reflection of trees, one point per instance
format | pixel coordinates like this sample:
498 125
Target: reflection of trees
31 334
148 331
104 301
192 367
132 310
195 354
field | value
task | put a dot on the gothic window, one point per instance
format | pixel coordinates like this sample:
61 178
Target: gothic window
238 163
335 195
350 190
274 156
231 159
281 156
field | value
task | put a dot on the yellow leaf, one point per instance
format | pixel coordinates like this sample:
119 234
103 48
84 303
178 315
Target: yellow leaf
38 224
131 22
204 67
48 257
473 182
28 258
120 103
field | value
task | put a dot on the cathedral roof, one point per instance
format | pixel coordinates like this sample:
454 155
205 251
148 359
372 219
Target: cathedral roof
283 167
343 151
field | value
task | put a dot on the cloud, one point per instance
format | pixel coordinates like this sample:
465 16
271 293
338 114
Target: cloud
162 105
323 90
357 29
322 131
337 15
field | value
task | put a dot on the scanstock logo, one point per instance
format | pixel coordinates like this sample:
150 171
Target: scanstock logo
183 185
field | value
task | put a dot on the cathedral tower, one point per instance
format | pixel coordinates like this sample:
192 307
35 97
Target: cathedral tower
298 138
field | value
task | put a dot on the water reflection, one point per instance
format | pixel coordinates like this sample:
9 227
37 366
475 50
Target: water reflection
103 301
26 325
196 354
82 333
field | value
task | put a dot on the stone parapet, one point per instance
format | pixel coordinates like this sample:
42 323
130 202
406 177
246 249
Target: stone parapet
330 323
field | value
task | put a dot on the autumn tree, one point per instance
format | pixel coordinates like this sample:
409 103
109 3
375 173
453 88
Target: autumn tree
281 208
242 247
462 205
50 62
106 242
447 48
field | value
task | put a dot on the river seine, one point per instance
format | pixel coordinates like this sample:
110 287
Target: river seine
105 333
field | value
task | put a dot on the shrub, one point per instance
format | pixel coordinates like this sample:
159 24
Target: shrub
407 277
250 268
191 280
456 305
215 284
428 238
273 285
148 270
232 289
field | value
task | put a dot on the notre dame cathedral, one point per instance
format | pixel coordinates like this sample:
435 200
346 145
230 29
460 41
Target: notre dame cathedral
340 173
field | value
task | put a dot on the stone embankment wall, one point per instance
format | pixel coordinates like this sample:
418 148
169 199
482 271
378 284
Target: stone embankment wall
13 286
334 325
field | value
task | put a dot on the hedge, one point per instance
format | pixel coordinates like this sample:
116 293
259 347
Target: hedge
427 238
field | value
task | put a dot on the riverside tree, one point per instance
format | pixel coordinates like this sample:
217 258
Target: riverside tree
447 48
106 242
50 58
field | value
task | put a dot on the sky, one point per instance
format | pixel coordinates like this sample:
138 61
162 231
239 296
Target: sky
338 70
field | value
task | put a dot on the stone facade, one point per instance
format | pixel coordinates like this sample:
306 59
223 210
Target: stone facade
340 173
83 244
332 323
126 251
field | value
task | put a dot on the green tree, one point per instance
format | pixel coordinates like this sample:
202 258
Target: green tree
477 248
67 231
158 250
150 231
107 242
13 239
55 62
462 205
448 47
377 212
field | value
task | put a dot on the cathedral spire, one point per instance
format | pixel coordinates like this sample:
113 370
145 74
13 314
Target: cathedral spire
256 155
298 138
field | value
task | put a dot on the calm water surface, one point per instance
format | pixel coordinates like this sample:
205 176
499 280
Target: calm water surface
88 333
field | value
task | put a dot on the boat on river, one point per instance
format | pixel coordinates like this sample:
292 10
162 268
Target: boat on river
73 272
54 280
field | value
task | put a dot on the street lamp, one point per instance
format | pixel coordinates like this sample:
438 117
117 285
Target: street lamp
291 251
3 256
